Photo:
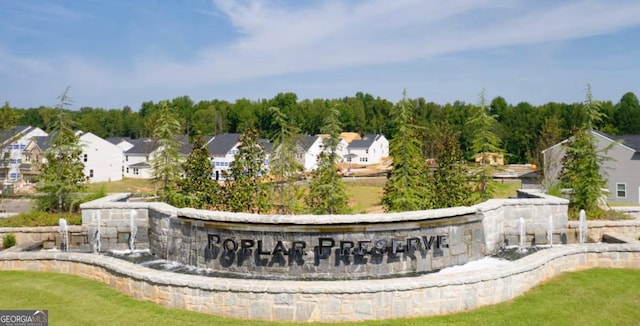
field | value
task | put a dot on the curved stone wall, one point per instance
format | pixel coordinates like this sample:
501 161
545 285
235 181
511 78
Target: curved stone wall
318 247
330 301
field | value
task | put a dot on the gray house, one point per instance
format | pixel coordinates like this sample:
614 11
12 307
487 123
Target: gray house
622 171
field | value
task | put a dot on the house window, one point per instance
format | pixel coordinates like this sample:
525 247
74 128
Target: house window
3 176
16 161
84 158
127 169
14 176
364 159
90 173
135 171
126 158
366 151
621 190
16 146
22 146
349 159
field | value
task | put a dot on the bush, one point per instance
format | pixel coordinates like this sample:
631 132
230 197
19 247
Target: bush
599 214
9 240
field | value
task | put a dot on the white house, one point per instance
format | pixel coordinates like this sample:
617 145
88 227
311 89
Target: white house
137 158
125 143
368 150
102 160
13 142
222 150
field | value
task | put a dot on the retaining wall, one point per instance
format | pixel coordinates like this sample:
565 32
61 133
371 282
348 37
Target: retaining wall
330 301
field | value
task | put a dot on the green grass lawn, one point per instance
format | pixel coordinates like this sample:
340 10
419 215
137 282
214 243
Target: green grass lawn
125 185
592 297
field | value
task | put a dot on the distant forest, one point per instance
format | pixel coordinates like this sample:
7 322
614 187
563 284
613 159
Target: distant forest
525 129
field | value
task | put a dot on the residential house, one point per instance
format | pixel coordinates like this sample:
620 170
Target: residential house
368 150
102 160
12 142
125 143
310 148
222 150
137 159
622 171
33 157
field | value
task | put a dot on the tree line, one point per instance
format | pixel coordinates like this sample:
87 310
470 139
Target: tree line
519 126
256 185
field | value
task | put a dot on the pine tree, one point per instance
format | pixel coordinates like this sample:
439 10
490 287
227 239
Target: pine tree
285 169
197 186
408 187
450 176
246 189
484 143
166 164
582 163
327 193
62 174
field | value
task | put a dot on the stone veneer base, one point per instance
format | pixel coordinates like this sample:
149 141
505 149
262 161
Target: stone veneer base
330 301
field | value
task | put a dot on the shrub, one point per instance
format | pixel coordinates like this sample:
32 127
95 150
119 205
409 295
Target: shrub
9 240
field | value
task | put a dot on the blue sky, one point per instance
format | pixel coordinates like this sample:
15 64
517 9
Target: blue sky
123 52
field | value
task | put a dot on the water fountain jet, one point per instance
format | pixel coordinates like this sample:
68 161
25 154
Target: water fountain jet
133 229
64 234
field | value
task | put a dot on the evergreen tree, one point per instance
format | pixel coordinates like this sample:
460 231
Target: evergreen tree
484 143
627 114
582 163
197 187
62 175
408 187
166 164
450 177
8 117
285 169
245 187
327 193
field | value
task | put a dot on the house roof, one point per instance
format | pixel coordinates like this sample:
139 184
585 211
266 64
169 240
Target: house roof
221 144
43 142
117 140
365 142
140 165
8 135
143 146
631 141
307 141
185 145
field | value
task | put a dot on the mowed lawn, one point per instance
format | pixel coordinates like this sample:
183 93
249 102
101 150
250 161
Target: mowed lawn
365 194
592 297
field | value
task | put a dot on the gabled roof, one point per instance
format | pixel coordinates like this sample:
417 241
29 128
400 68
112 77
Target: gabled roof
117 140
220 145
307 141
43 142
8 135
143 146
631 141
365 142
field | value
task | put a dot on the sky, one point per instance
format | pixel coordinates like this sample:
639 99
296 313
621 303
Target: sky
116 53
